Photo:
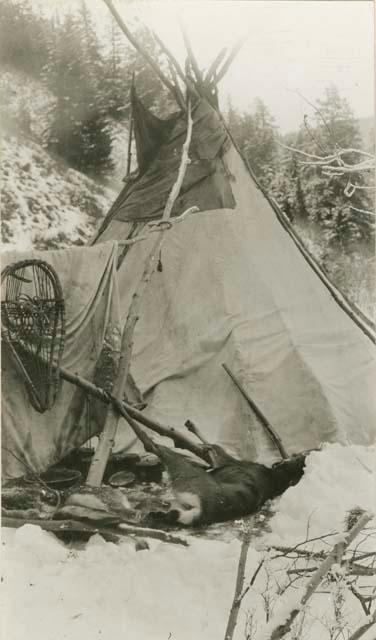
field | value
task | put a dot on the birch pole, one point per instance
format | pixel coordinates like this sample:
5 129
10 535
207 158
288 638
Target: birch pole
106 439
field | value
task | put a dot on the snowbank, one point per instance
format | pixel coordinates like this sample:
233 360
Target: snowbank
106 591
336 480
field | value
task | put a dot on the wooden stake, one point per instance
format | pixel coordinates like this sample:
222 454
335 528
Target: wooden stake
107 437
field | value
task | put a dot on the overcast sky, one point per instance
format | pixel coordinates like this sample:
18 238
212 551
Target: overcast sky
301 45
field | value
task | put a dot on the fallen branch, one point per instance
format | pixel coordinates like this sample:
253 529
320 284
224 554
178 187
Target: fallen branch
158 534
333 557
111 534
180 439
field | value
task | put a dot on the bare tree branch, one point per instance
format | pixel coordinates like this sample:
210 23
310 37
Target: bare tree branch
333 557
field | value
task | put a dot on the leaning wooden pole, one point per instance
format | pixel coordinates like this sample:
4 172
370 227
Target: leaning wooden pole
263 419
130 134
106 439
139 48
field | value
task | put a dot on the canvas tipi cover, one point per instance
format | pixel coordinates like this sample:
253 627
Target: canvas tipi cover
235 286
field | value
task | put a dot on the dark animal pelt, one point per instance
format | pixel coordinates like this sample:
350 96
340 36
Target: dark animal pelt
231 490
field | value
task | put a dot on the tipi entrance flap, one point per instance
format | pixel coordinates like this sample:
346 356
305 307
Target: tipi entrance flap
206 182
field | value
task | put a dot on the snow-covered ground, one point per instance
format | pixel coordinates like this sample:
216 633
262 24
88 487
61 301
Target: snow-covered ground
44 203
106 591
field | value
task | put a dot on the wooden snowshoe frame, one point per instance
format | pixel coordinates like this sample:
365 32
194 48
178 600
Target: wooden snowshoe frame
33 327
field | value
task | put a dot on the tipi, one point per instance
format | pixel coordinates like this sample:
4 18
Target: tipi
235 285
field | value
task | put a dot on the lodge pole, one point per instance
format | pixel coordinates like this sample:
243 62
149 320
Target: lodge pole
107 437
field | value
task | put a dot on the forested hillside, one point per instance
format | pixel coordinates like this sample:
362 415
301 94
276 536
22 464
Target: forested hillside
332 209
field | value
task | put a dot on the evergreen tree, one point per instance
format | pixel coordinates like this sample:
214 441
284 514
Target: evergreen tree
255 133
324 196
150 89
22 36
122 63
74 72
116 74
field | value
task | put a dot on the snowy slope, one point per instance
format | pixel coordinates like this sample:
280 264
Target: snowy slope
45 204
106 591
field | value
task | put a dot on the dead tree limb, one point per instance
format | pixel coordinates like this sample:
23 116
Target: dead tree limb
112 534
180 439
333 557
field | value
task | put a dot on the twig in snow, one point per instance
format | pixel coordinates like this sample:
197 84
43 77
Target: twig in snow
332 558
